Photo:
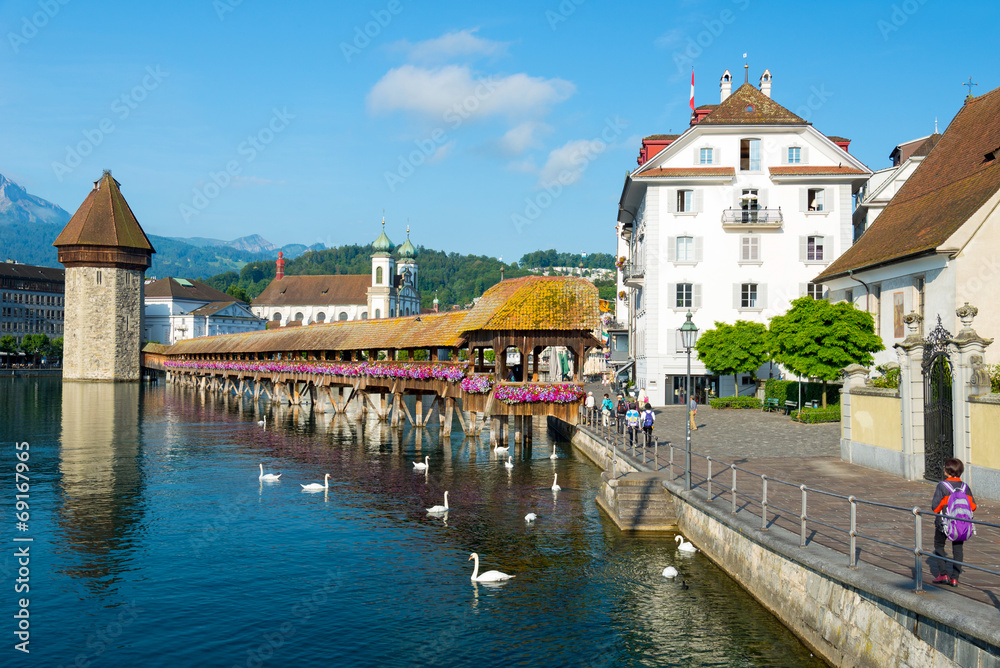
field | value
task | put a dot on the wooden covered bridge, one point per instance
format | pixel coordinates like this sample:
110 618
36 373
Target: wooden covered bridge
440 356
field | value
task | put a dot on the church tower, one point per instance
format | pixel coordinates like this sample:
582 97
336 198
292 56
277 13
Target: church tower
381 295
106 255
408 295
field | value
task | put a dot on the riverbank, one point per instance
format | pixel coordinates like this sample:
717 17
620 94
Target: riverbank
867 616
20 373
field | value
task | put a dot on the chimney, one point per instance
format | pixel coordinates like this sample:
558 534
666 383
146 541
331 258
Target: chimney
281 266
765 83
726 85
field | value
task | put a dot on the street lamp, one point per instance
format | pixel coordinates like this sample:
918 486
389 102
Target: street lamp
689 334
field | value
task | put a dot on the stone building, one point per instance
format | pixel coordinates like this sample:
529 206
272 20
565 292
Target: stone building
178 308
31 300
106 255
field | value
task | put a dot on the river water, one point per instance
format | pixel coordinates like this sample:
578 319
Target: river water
155 544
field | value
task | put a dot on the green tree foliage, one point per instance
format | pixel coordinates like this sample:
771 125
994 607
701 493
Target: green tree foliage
238 293
817 339
734 349
550 258
56 347
8 344
35 345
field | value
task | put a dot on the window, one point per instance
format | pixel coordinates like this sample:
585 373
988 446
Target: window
815 290
750 205
378 313
378 275
98 276
276 317
814 196
705 156
749 249
814 249
685 249
342 316
750 155
849 296
299 317
684 295
748 295
685 201
364 315
321 317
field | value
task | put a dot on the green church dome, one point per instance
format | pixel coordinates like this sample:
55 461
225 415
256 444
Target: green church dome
407 250
382 244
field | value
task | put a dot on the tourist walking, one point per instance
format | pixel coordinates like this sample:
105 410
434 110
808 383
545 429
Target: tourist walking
692 411
620 410
648 418
590 409
951 497
606 408
632 421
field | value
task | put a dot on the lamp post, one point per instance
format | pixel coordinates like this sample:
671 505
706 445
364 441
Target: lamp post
689 334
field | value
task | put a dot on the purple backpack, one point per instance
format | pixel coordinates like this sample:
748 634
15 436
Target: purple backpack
960 528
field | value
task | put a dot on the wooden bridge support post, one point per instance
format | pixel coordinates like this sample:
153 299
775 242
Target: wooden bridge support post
518 428
529 425
446 417
396 401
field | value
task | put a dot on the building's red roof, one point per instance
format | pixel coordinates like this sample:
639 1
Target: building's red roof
688 171
318 290
104 219
815 170
184 289
748 106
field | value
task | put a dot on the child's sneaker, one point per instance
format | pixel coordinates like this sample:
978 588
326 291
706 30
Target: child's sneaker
942 579
954 582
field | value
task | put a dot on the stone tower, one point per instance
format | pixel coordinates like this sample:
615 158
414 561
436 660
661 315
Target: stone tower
106 255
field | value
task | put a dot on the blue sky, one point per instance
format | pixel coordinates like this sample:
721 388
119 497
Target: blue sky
303 121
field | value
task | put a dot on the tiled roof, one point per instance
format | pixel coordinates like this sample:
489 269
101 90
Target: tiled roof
814 170
765 111
660 137
193 290
926 146
953 182
316 290
31 272
688 171
104 219
537 302
212 308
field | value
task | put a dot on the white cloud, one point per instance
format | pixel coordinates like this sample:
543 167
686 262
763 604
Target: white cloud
452 45
567 163
526 166
522 137
442 152
452 93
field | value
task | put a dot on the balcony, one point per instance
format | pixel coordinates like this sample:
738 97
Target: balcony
633 275
750 219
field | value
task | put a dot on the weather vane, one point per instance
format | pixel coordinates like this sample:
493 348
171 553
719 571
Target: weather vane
746 69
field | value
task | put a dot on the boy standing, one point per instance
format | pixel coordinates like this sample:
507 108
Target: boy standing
648 418
952 484
632 420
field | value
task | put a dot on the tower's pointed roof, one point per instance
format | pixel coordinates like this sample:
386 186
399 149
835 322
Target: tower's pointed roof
407 251
104 219
749 106
382 244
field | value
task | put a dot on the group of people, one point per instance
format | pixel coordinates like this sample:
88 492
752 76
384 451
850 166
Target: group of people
629 419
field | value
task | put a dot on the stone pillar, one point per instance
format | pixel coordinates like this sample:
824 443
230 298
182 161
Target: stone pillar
856 376
970 380
910 354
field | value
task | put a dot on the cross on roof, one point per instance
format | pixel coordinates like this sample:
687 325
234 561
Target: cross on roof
970 84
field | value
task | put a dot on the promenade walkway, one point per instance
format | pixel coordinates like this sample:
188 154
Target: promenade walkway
773 445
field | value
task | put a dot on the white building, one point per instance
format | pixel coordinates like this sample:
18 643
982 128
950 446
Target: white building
730 220
177 308
390 290
936 245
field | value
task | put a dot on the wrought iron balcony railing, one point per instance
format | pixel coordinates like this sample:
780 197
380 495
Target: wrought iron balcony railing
762 217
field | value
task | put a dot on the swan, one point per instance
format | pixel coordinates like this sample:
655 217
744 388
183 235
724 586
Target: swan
422 466
267 476
684 585
315 486
500 448
530 517
684 546
509 464
262 423
488 576
553 455
555 484
669 572
440 509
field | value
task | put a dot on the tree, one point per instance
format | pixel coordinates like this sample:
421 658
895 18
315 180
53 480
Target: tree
8 344
734 349
56 347
35 345
238 293
816 339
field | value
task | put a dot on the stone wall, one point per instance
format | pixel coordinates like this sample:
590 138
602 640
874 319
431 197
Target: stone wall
103 328
984 470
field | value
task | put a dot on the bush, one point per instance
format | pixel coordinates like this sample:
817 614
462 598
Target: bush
889 378
994 372
735 402
817 415
788 390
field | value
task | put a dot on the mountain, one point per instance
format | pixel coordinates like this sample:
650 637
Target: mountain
17 206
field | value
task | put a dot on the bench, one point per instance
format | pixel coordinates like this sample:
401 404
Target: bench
790 406
769 405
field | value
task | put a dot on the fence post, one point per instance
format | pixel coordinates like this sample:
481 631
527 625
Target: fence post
802 518
709 478
671 460
733 488
656 455
918 548
763 503
853 560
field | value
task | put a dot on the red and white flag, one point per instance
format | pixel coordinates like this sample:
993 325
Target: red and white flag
692 89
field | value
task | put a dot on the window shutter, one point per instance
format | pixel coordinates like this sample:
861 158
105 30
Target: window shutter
716 155
827 199
803 199
671 249
672 295
804 155
696 203
803 289
698 249
671 341
697 156
762 295
736 295
827 248
737 192
784 155
696 295
803 249
762 198
671 201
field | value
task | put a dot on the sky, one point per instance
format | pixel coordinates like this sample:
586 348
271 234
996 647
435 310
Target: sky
490 128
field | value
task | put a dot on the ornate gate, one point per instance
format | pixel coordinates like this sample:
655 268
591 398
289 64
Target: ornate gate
939 443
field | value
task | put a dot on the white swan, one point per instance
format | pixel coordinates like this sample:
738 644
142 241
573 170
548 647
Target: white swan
315 486
422 466
684 546
488 576
553 455
267 476
500 449
440 509
509 463
530 517
669 572
555 483
262 423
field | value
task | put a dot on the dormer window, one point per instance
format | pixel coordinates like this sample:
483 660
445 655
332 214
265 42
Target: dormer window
749 109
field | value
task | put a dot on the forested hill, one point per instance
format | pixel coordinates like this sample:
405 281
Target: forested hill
453 278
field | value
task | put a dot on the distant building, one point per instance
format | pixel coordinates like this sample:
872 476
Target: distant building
177 309
390 290
31 300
